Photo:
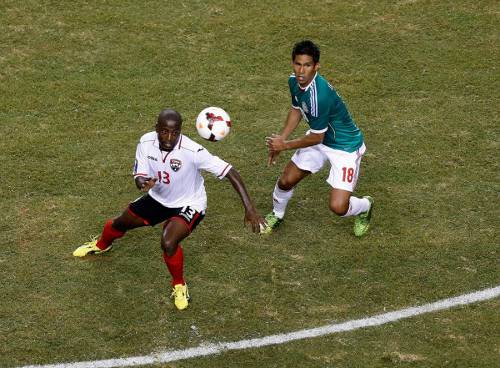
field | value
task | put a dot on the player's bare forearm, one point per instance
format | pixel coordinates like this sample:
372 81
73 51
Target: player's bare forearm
235 179
276 143
305 141
292 121
251 214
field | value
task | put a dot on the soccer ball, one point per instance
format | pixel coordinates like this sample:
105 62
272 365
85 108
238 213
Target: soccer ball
213 123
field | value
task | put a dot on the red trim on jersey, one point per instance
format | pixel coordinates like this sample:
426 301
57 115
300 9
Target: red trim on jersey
222 174
141 174
137 216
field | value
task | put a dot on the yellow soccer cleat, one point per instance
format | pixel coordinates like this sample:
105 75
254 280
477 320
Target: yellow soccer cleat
89 248
181 296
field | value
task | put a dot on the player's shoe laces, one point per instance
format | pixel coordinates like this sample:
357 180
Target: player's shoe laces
181 296
89 248
272 222
362 221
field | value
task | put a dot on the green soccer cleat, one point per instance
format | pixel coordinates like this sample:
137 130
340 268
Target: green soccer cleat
362 221
181 296
89 248
272 222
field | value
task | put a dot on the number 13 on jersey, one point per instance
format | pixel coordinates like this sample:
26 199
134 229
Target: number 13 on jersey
163 177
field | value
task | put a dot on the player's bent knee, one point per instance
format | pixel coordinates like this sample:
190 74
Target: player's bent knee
168 246
285 184
339 208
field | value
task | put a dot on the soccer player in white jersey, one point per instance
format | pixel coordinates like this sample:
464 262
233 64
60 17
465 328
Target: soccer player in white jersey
333 136
167 168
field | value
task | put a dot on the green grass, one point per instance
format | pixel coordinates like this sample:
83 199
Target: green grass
80 82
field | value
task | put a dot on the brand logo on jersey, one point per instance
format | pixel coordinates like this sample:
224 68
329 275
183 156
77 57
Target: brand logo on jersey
304 107
175 164
152 158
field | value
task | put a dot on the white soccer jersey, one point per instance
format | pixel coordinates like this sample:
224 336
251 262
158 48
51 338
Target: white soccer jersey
179 181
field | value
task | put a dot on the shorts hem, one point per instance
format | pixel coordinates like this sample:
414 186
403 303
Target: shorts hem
181 220
146 222
304 169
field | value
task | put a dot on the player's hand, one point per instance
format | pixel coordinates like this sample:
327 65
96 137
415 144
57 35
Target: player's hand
271 158
275 143
147 184
255 220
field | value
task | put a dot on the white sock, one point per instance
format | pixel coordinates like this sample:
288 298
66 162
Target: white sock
357 206
280 200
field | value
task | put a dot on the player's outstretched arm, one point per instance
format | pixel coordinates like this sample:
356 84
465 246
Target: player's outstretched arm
276 143
292 120
252 217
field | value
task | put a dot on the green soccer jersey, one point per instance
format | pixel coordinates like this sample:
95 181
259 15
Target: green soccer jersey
325 112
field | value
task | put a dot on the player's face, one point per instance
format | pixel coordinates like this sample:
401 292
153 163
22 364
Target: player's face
304 68
168 134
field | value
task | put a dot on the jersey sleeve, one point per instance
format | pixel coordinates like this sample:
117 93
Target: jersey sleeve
320 114
291 84
213 164
141 166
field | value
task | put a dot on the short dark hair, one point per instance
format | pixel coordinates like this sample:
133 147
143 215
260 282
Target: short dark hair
306 47
169 115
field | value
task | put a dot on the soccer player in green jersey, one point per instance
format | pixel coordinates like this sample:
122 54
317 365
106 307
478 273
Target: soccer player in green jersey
332 136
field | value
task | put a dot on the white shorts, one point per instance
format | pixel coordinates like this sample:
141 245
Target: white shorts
344 169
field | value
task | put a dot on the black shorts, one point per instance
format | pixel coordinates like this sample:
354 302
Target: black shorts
152 212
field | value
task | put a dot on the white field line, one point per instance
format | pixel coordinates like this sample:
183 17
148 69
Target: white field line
212 349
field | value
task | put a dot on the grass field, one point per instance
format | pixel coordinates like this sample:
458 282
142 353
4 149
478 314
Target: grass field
81 81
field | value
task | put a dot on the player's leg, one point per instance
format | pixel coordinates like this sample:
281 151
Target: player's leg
282 193
339 201
113 229
175 230
283 190
344 204
343 178
143 211
173 233
304 162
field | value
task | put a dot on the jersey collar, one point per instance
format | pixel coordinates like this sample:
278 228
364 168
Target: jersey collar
177 146
309 85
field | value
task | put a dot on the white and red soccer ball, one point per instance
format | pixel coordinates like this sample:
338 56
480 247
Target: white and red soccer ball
213 123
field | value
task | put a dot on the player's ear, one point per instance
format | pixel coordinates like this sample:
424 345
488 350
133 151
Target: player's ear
317 66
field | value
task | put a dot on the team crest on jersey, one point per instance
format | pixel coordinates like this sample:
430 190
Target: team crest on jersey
175 164
304 107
